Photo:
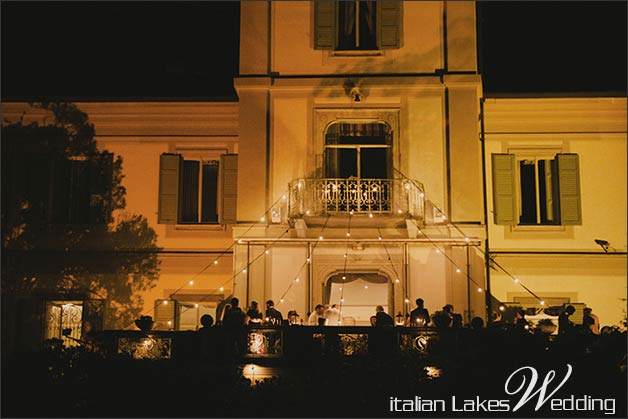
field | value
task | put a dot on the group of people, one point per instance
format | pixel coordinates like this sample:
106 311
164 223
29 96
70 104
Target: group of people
233 316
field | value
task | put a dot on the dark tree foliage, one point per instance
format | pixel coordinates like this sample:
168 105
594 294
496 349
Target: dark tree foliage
64 227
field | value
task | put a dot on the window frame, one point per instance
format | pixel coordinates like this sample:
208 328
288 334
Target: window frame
536 154
201 155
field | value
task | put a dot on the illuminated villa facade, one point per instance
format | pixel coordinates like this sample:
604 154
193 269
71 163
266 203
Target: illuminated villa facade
362 166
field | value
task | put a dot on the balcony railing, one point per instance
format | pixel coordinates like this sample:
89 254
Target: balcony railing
358 196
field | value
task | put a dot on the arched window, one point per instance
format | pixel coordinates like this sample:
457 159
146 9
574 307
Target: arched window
358 150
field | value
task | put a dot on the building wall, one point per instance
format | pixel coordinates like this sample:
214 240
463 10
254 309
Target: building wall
595 129
139 133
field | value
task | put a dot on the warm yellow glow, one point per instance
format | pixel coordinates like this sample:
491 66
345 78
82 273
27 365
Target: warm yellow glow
407 301
191 282
457 270
221 289
397 280
320 237
479 289
370 215
215 262
165 302
297 280
262 219
516 280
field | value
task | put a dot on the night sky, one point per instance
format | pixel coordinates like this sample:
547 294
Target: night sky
189 50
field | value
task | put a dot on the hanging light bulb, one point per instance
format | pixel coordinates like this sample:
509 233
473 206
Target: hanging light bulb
407 301
281 301
320 237
479 289
307 212
516 280
351 212
467 239
215 262
262 219
244 270
348 234
397 280
191 282
221 289
195 305
342 300
344 277
421 195
542 302
370 215
457 270
283 197
309 260
165 302
267 251
399 211
240 241
379 238
437 250
296 280
366 287
345 255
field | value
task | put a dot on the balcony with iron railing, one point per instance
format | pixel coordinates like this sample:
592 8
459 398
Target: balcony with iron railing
395 198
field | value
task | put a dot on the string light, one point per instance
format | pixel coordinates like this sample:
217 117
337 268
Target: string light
215 262
516 280
195 305
309 260
370 215
542 302
240 241
344 277
348 234
296 280
320 237
379 237
281 301
479 289
407 301
191 282
366 287
458 270
267 251
165 302
467 239
502 308
307 212
397 280
221 289
437 250
262 219
244 270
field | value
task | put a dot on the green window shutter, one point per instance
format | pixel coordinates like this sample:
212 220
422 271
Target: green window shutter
169 187
504 187
324 24
389 18
569 189
165 312
229 183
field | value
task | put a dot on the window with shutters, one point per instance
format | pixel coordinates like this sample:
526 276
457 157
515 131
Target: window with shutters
357 25
197 187
536 188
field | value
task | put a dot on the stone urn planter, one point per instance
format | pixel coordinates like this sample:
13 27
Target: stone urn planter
145 323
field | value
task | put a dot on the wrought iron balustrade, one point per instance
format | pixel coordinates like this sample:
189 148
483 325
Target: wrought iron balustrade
359 196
